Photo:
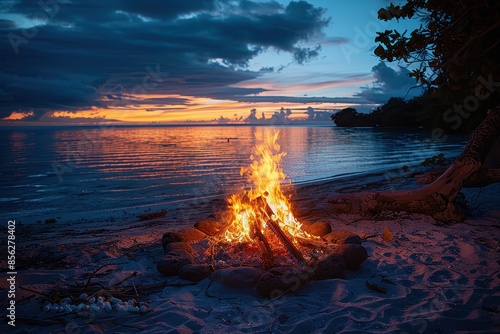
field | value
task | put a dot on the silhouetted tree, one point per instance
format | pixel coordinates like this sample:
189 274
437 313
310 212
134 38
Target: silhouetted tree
347 117
457 47
456 50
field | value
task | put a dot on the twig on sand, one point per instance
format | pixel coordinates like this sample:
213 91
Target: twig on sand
36 292
378 214
137 295
93 274
133 275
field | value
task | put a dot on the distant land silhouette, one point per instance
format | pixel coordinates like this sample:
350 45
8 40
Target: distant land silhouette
422 112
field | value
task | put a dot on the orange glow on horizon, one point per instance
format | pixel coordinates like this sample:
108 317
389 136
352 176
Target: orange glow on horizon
16 115
196 110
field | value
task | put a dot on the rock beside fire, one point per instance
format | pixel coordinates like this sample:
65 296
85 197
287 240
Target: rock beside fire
190 234
179 246
280 280
170 264
195 272
209 227
169 237
181 253
353 255
342 237
319 229
305 224
238 277
332 266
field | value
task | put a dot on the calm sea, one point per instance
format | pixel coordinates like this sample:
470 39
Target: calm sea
50 171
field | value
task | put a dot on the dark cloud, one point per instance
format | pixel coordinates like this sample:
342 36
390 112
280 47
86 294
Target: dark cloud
7 24
224 92
161 101
261 8
303 55
78 120
6 5
121 100
167 9
335 41
87 49
266 69
38 94
294 99
388 83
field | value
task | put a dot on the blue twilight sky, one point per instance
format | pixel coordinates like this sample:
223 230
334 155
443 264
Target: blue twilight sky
77 61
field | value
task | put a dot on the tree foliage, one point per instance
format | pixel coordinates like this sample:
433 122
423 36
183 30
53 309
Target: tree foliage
456 48
395 113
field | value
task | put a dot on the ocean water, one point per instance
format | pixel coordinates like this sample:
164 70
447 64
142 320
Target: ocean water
50 171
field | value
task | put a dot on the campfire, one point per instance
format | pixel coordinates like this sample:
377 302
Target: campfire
259 230
264 213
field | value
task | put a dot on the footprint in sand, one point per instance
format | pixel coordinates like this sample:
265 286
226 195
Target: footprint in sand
440 276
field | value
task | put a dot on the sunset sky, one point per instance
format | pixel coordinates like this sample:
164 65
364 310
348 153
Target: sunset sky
90 61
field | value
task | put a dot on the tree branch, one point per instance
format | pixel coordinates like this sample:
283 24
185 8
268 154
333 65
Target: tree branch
469 42
479 179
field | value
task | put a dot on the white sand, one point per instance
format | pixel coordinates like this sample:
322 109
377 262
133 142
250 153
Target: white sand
446 278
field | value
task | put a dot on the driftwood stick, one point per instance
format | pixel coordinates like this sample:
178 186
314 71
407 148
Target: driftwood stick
137 295
437 198
268 213
263 244
94 273
133 275
479 179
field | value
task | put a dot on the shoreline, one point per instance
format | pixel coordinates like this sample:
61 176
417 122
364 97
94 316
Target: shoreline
484 201
446 278
382 178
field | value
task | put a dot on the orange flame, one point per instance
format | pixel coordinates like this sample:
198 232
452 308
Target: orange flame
265 175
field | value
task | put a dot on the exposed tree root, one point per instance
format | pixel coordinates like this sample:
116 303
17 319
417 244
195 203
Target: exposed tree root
437 198
481 178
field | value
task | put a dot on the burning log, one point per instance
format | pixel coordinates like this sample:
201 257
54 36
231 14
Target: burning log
263 245
270 218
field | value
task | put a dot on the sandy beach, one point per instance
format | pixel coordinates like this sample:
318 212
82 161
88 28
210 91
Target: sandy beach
437 278
250 166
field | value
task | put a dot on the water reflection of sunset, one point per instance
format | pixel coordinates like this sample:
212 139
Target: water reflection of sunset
110 166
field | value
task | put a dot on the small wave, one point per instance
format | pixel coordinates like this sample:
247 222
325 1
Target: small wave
47 190
44 199
38 175
32 212
9 199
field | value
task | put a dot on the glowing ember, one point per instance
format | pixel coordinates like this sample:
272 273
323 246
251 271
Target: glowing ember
265 175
